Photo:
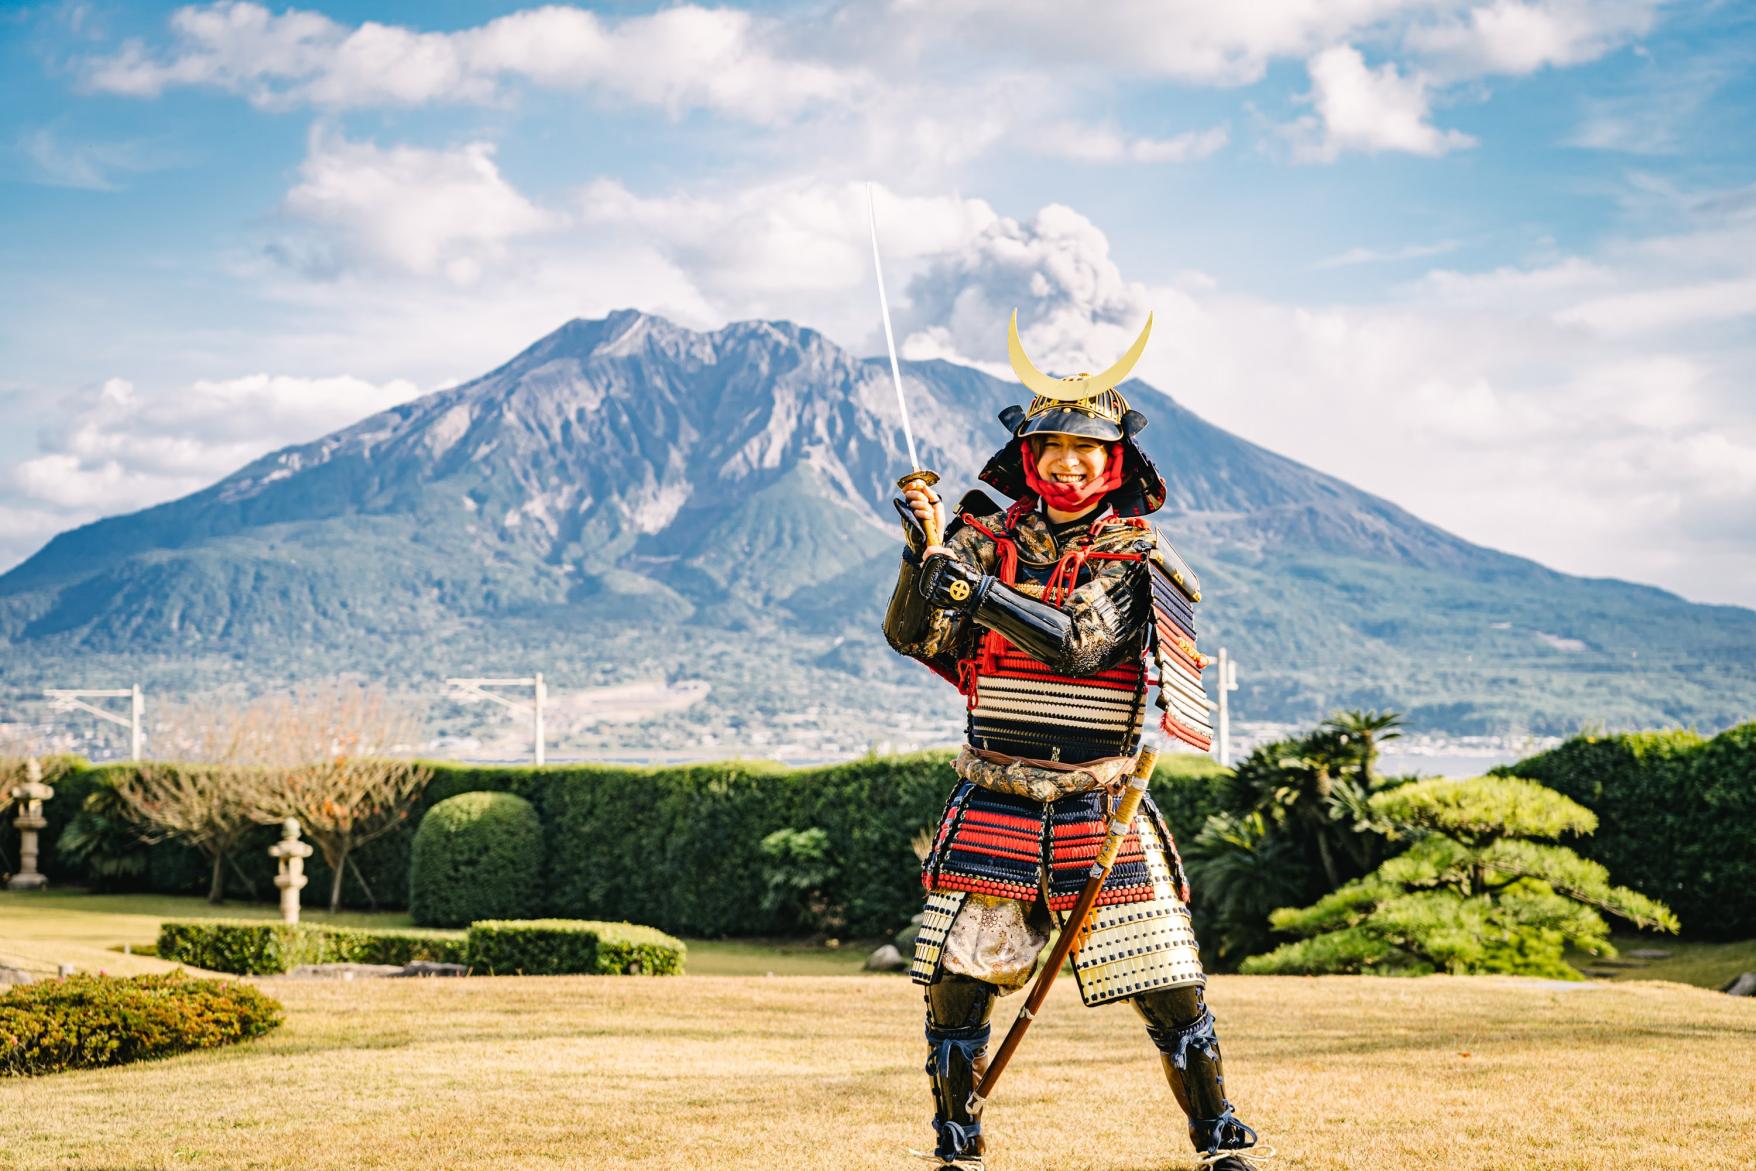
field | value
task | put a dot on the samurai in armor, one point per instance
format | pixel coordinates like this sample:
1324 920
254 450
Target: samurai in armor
1051 616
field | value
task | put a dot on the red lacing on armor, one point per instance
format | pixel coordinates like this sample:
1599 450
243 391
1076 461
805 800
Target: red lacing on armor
967 676
1066 575
1005 546
986 659
1063 579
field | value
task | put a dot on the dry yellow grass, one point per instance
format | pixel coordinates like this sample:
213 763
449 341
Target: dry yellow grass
712 1073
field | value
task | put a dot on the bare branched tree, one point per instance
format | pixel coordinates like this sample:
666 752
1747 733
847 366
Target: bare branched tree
207 798
321 754
329 760
205 805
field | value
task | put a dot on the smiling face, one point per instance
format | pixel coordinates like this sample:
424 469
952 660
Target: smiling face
1069 459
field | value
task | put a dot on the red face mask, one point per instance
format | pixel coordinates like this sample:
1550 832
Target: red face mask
1073 497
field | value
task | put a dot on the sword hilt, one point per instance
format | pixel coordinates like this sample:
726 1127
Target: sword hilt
924 480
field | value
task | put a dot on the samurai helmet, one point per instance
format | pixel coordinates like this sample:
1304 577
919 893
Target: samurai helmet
1088 405
1079 404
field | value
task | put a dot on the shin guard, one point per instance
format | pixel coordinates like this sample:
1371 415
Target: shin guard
957 1053
1182 1029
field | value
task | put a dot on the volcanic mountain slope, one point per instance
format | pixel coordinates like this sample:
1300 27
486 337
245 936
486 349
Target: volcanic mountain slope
627 499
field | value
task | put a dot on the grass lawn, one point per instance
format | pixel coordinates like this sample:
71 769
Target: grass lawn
708 1073
1705 965
742 1071
43 928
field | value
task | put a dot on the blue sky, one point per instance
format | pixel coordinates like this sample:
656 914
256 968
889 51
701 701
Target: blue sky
1493 259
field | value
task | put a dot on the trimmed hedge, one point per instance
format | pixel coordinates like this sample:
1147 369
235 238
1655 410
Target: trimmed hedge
87 1021
476 856
266 947
680 847
1676 818
393 945
557 947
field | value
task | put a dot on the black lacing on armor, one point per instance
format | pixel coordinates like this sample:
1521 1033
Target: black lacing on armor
1176 1043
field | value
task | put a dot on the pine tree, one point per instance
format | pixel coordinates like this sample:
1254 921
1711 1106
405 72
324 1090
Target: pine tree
1481 888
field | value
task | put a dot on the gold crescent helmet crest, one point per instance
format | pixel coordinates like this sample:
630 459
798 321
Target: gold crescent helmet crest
1089 394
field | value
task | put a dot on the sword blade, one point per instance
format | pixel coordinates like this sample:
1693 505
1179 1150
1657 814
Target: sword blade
908 434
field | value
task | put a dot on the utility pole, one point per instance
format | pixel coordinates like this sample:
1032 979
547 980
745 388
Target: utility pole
473 689
1228 682
65 699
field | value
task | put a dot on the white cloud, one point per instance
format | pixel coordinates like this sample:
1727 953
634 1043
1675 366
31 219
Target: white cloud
678 59
119 450
405 208
1363 255
1658 309
237 46
949 81
1194 41
1465 397
1104 144
1369 110
778 248
1522 36
1204 43
55 161
793 248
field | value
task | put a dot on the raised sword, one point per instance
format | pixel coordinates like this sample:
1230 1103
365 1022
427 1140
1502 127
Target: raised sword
919 477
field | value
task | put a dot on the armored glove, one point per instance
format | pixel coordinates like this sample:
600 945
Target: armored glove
914 537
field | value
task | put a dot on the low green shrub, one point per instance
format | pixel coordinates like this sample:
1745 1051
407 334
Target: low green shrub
86 1021
557 947
245 947
356 945
476 856
258 947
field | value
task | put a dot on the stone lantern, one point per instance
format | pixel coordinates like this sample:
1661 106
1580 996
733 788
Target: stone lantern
30 797
291 853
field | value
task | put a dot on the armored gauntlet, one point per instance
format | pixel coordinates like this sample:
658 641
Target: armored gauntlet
1039 629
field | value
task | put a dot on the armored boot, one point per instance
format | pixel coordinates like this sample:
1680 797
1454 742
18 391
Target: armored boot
957 1055
1181 1027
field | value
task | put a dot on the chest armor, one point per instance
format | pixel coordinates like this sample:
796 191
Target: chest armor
1018 706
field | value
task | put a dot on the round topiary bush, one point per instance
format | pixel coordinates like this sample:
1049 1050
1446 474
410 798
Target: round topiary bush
476 856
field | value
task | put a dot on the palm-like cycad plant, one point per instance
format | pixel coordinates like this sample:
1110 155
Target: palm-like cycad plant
1297 823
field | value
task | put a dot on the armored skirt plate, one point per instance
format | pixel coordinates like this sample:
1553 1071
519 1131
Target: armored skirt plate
1126 949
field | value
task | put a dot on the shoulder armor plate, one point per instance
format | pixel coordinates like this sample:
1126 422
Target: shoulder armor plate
1123 535
1169 562
976 503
